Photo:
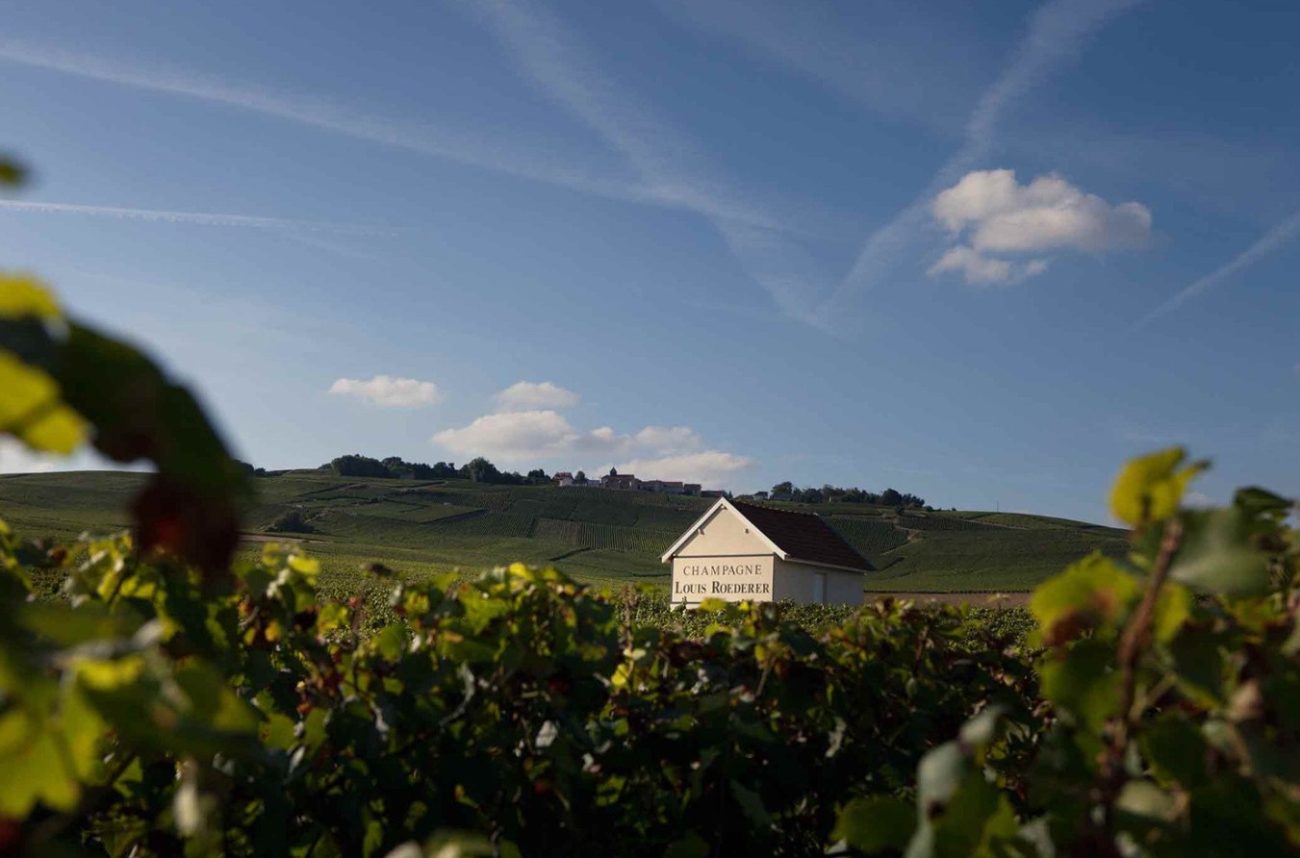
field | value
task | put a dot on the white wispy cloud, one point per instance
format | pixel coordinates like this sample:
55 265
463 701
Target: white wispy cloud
532 396
483 149
525 436
389 391
1056 34
976 268
519 436
440 141
875 64
200 218
16 458
995 214
671 167
1272 241
708 467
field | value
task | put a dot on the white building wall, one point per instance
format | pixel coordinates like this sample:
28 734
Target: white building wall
725 534
731 578
797 582
723 559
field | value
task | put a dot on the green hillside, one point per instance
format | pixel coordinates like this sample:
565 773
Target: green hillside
593 534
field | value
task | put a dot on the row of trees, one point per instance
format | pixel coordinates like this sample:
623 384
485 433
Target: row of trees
833 494
480 470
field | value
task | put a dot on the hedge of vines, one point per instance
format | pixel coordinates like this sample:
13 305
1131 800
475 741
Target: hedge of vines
171 701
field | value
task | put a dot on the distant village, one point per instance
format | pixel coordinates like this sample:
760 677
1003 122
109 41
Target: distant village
629 483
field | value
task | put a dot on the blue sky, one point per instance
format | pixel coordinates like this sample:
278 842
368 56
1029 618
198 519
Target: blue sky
979 252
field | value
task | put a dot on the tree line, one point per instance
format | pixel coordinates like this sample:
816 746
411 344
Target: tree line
833 494
479 469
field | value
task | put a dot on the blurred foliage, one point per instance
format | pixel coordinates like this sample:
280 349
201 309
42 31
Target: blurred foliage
12 173
1170 715
142 711
63 382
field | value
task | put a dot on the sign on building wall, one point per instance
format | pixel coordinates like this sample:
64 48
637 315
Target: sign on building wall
734 579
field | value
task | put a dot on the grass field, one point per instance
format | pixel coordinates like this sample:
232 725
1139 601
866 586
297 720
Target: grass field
418 528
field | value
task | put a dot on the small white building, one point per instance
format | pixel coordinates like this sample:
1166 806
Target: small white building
745 552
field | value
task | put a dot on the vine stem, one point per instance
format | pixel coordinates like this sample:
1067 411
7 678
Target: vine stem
1133 642
1137 634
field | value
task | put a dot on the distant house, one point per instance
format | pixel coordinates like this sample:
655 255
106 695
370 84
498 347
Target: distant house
625 482
745 552
629 482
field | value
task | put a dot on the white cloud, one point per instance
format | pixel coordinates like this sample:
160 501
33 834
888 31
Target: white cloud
533 396
526 436
1049 213
668 439
519 438
515 436
709 467
994 213
979 269
16 458
389 391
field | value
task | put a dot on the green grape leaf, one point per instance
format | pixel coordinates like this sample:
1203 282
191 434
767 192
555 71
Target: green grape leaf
690 846
1090 593
12 173
1173 608
751 804
31 767
65 626
1256 501
875 823
1176 750
391 641
1149 488
1217 558
1080 681
24 297
31 409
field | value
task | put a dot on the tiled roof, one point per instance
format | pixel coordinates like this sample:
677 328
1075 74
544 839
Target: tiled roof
803 536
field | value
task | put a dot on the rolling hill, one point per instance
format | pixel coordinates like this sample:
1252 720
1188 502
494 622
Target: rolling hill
593 534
